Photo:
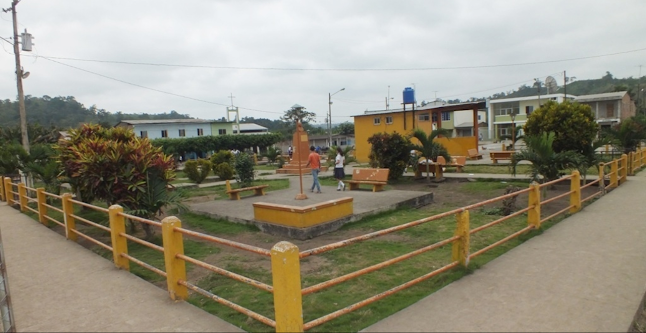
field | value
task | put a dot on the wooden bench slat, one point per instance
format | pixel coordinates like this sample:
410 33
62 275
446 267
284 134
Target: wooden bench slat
234 194
376 177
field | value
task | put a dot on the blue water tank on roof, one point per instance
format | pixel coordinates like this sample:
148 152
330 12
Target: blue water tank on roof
409 95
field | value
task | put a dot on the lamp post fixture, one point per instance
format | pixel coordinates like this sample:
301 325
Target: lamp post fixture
329 116
513 130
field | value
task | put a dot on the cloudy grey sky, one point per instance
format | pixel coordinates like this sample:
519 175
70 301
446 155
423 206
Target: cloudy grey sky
272 54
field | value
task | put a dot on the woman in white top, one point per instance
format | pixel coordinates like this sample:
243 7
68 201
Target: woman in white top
339 173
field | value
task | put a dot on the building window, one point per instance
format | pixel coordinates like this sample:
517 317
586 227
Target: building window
529 109
182 133
389 120
446 115
502 109
222 131
479 117
343 142
423 117
376 121
610 110
504 131
164 133
143 134
200 132
434 117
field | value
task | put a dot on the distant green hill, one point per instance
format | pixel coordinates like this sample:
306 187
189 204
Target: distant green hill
67 112
606 83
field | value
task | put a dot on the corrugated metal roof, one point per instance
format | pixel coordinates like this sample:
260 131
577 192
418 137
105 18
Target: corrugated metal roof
166 121
249 127
602 97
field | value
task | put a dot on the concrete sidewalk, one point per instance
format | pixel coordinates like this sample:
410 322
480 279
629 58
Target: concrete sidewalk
585 274
58 286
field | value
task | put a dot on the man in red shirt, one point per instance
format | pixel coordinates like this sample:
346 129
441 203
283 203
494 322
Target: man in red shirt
314 161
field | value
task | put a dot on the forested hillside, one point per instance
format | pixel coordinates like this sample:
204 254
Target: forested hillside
67 112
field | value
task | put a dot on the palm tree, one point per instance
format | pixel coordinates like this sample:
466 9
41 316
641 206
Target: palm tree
547 164
430 149
157 196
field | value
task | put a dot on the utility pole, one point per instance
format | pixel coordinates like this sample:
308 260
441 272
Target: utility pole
639 89
19 76
564 86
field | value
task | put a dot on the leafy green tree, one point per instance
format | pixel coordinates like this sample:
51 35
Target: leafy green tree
629 134
573 125
13 159
298 112
429 148
390 151
547 164
346 128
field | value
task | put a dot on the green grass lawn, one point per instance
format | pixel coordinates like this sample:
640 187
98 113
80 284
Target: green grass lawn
349 259
220 190
322 267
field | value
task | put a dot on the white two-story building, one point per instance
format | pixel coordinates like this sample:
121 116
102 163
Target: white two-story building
168 128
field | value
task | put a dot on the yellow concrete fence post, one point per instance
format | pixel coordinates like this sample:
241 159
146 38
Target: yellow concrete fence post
119 243
68 210
460 250
631 163
613 174
22 197
602 181
286 275
175 267
534 213
2 191
624 163
42 209
575 188
7 191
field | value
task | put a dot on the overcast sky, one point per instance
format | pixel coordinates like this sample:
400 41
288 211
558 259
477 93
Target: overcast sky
273 54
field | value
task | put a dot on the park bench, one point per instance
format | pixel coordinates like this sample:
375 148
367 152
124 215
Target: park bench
473 154
375 177
234 194
500 155
436 168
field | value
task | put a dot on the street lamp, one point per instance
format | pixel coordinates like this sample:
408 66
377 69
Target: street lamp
513 130
329 116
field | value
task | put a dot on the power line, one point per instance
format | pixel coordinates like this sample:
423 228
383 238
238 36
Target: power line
347 69
153 89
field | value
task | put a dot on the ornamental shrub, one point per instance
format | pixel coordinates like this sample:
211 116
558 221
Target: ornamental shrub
197 170
390 151
244 169
224 171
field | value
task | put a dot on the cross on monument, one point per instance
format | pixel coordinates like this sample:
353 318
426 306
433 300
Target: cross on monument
232 97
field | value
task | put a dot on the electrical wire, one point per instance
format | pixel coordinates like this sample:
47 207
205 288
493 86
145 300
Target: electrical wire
153 89
349 69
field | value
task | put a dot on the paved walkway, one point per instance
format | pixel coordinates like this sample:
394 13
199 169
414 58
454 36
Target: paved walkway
59 286
585 274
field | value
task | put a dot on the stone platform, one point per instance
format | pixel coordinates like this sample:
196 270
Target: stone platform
365 203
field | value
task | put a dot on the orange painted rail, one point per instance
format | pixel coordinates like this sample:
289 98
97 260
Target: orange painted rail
285 256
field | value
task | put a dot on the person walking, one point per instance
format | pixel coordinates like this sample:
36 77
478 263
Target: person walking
314 161
339 172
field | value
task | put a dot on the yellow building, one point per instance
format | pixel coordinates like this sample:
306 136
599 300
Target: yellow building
404 121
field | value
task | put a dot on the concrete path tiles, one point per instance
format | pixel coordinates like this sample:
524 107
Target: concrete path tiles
58 286
585 274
